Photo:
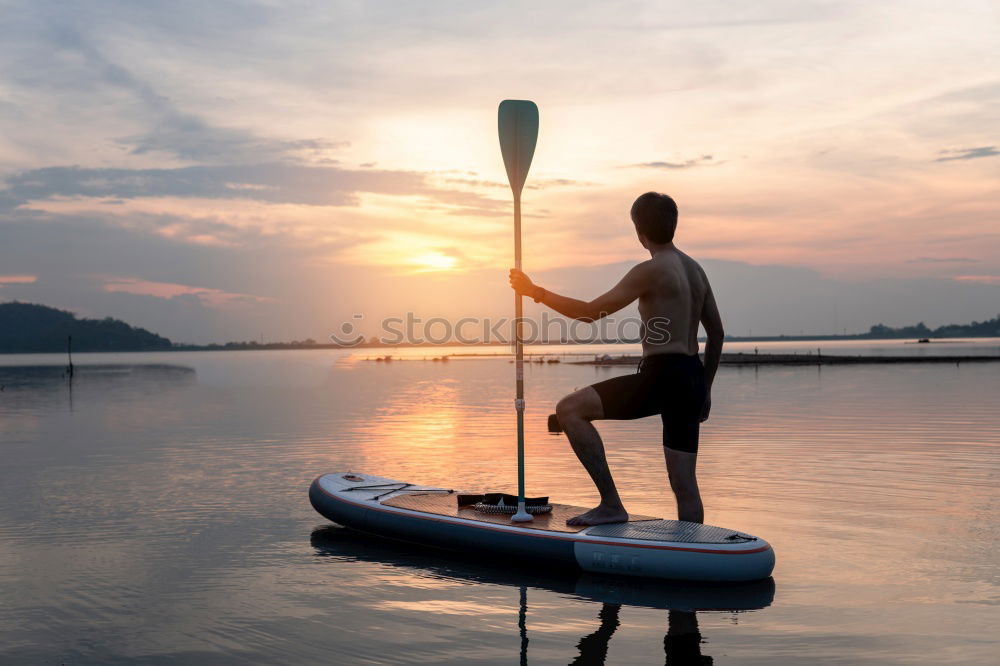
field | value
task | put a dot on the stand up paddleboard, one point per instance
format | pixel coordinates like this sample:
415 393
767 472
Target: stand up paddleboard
644 546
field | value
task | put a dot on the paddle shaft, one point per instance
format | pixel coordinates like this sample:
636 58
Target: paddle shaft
519 355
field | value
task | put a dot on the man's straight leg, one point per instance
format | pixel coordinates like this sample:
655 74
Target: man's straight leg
684 483
681 418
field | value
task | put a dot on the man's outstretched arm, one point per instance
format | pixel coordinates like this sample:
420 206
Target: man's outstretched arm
714 333
627 290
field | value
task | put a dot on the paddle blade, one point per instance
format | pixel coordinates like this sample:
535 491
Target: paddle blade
518 123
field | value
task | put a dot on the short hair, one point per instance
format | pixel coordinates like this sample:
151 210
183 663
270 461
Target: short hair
655 216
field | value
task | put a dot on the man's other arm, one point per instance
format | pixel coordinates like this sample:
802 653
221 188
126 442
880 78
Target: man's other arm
627 290
712 322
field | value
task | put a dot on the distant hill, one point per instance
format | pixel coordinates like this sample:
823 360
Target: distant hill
27 327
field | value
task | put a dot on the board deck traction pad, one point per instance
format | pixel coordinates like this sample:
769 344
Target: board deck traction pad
644 528
441 504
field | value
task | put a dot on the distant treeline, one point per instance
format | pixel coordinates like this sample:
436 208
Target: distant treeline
26 327
977 329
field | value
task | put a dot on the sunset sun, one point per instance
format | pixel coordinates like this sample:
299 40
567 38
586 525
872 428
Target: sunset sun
433 262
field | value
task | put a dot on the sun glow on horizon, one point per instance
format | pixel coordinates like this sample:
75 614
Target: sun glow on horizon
433 262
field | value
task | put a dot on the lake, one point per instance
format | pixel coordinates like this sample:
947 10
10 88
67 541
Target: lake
154 510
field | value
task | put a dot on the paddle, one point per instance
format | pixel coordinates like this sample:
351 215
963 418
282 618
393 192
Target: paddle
518 124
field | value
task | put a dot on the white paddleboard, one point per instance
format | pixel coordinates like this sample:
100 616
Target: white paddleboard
641 547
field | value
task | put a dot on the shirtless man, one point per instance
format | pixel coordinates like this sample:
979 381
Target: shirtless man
674 297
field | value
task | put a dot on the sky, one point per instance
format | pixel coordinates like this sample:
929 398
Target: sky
244 170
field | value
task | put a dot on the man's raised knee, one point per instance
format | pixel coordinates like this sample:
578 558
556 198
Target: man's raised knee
584 404
566 409
572 407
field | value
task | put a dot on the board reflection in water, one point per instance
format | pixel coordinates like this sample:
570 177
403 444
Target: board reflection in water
681 600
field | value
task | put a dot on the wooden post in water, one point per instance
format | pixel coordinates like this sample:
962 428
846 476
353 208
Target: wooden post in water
69 353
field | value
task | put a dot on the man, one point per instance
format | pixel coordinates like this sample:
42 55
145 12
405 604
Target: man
674 297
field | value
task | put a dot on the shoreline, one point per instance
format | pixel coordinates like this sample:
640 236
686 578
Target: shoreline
745 359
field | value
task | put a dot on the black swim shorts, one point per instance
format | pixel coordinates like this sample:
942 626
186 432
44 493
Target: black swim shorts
671 385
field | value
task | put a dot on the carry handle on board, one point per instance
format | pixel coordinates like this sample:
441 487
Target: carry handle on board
517 120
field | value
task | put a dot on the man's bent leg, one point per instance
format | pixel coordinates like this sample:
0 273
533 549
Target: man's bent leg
576 413
681 470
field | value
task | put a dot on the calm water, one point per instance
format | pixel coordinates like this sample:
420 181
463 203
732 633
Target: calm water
155 511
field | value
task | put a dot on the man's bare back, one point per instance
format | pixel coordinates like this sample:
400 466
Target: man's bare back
674 297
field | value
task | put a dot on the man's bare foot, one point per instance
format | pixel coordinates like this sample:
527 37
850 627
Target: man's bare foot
599 516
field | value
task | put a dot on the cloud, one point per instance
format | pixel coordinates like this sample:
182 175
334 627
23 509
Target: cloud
942 260
686 164
168 290
532 184
272 183
76 64
158 248
544 183
17 279
190 138
980 279
967 153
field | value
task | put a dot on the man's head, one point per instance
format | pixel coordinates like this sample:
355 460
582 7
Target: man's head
655 218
